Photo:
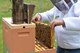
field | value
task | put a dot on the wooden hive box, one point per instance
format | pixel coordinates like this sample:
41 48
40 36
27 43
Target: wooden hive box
18 38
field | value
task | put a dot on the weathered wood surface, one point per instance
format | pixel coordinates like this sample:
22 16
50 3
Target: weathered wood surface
17 11
28 12
44 34
22 12
25 13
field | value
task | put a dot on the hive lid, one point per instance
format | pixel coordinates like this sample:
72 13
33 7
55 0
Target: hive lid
9 22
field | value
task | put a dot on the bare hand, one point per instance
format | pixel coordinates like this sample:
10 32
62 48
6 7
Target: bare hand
36 18
56 22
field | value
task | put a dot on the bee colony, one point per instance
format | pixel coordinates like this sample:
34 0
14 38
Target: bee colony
44 37
44 34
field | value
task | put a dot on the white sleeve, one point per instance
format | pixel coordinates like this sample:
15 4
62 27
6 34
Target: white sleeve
48 15
73 21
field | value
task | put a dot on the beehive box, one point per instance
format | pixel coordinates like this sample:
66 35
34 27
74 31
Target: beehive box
18 38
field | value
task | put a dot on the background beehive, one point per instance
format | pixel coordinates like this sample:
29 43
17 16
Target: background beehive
44 34
22 12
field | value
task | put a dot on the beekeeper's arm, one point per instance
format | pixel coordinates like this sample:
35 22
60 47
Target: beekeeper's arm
48 15
73 21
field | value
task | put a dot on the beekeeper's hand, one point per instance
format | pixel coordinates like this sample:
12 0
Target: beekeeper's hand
36 18
56 22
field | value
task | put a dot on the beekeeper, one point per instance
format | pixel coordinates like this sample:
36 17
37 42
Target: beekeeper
64 17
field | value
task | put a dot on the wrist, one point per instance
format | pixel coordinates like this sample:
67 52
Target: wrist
63 23
39 16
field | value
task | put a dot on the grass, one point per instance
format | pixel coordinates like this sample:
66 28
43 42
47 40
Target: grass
5 11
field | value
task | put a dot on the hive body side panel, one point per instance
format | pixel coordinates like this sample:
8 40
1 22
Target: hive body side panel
19 40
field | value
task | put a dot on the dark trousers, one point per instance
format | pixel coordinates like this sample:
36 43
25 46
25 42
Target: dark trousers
62 50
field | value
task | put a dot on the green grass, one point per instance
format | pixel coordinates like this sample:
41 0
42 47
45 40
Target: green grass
5 11
1 41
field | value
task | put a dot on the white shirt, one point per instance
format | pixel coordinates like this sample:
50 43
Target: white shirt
68 37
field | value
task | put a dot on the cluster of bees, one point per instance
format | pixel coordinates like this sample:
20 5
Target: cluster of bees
44 34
